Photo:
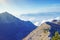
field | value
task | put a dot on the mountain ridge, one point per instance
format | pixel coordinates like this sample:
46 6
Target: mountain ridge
12 28
44 32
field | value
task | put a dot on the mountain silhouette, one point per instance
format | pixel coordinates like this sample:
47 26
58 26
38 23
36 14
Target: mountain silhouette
12 28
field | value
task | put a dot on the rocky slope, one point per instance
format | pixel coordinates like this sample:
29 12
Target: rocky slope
44 32
40 33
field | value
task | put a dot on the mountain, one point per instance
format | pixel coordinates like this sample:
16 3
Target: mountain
56 22
12 28
44 32
53 28
39 33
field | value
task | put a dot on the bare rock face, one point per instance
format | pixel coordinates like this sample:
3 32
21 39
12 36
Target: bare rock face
40 33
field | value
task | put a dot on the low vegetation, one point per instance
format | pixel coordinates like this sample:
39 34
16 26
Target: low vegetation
56 36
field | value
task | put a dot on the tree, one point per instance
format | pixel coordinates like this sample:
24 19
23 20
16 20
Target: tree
56 36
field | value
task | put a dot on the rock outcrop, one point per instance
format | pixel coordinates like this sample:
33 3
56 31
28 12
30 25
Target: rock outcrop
40 33
45 31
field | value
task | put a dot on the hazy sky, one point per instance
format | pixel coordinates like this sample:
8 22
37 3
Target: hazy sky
31 7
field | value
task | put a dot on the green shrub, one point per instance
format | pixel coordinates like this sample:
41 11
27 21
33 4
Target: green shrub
56 36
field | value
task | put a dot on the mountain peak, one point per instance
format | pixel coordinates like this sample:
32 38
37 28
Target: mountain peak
5 14
6 17
12 28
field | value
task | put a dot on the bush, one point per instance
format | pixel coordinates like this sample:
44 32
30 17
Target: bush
56 36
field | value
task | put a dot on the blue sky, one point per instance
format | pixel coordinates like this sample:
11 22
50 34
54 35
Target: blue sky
33 10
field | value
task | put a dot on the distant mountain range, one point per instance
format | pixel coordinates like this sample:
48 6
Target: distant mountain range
45 31
42 14
12 28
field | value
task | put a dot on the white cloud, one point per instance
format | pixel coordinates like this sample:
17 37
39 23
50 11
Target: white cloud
37 23
17 12
58 18
43 21
47 20
32 18
52 8
50 20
